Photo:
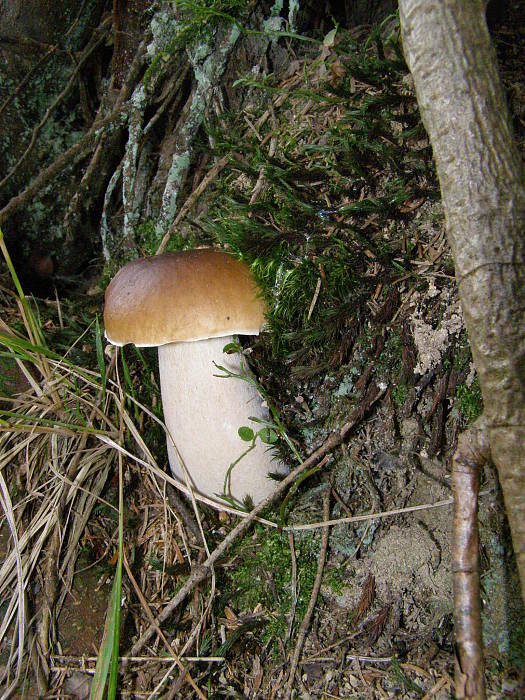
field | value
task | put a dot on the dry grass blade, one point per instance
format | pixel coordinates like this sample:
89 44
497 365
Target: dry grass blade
61 439
53 468
58 470
7 507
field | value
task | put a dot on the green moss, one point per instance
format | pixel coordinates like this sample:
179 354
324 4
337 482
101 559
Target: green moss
147 239
266 558
469 401
335 580
517 642
307 235
196 19
400 393
503 615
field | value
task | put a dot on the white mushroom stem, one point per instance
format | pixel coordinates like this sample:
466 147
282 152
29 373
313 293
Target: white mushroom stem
203 414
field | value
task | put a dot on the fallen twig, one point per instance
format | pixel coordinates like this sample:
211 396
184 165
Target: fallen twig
374 516
202 572
171 651
305 624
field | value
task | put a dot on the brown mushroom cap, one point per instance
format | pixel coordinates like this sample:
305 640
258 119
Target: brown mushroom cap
174 297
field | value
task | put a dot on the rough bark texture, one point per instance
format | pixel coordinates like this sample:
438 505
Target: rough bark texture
128 29
448 50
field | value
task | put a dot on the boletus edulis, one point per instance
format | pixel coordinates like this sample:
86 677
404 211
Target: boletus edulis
191 305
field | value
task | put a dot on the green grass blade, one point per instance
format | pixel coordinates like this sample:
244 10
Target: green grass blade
30 317
112 685
113 671
106 650
100 357
106 669
127 381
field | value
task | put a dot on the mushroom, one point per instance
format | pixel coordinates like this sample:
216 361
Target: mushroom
190 304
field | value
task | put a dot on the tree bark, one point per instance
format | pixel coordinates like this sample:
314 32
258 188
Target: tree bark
448 50
471 454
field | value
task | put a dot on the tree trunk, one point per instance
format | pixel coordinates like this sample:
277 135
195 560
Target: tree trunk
448 50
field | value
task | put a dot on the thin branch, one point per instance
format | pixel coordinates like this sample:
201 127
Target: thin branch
305 624
201 573
372 516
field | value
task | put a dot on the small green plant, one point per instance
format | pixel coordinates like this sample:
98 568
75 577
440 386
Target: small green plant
269 432
268 435
271 429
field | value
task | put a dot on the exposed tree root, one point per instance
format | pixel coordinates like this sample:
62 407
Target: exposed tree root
471 454
98 37
449 52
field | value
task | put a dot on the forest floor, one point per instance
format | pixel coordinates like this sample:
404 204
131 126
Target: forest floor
332 199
